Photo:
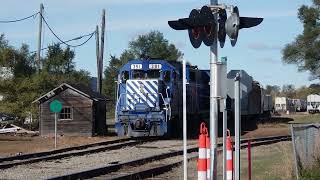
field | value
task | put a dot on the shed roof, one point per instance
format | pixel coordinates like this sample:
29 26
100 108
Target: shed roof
79 88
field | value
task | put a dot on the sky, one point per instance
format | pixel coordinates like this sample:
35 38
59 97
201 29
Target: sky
258 50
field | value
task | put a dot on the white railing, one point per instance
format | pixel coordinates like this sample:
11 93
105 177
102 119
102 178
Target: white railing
117 104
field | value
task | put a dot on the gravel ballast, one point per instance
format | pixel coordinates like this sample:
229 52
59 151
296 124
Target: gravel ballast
46 169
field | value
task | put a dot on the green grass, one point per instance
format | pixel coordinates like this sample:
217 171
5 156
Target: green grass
272 162
312 173
310 118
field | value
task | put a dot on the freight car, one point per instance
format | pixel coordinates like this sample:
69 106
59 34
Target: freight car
149 98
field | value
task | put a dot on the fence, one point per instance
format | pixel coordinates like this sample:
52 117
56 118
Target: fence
306 145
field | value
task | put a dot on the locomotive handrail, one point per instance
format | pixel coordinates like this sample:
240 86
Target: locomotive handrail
119 99
165 103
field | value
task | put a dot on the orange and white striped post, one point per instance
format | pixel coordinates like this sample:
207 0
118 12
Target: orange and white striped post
229 157
202 160
208 155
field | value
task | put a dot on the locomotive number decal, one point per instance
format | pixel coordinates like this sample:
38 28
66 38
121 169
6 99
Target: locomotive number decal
136 66
155 66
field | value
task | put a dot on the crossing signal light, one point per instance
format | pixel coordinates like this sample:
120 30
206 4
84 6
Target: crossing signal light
201 25
222 18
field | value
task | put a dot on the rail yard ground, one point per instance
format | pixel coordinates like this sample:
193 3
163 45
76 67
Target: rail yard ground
273 161
268 162
13 144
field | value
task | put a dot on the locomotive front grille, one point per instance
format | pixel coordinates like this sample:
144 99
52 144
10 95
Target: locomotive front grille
142 92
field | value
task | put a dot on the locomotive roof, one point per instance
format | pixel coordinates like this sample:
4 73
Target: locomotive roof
165 64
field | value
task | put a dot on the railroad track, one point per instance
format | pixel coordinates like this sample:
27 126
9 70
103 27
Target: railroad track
154 165
11 161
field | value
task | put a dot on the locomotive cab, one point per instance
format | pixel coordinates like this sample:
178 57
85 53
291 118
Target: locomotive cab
144 93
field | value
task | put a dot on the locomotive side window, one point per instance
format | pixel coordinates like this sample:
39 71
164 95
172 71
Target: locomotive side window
192 76
125 76
166 76
174 76
153 74
138 74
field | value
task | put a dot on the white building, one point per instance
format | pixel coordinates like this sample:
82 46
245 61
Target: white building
313 101
283 104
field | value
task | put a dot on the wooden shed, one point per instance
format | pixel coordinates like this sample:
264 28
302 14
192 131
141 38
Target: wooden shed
83 111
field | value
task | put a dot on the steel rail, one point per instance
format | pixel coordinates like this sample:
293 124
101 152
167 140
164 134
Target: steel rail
149 172
72 151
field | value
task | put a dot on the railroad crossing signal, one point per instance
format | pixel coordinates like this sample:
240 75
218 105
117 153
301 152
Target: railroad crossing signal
201 24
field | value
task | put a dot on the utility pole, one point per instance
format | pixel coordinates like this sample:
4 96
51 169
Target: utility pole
39 38
213 100
101 51
98 57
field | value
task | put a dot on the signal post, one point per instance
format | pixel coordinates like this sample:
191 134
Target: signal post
208 25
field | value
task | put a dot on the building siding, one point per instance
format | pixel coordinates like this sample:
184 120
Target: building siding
80 125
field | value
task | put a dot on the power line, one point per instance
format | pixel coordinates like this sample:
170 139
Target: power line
65 42
74 39
22 19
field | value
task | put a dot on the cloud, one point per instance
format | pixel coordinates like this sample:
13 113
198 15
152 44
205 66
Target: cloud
261 46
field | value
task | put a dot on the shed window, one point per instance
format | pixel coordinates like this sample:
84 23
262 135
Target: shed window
66 113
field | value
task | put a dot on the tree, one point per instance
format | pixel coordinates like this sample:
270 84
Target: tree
17 62
151 45
59 61
304 51
111 72
288 91
272 90
154 45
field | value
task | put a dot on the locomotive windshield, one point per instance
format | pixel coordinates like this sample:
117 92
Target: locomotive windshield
138 74
153 74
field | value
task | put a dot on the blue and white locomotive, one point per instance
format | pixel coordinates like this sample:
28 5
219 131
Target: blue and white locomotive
144 92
